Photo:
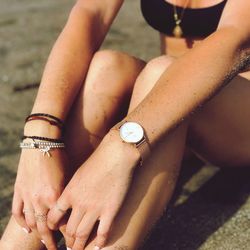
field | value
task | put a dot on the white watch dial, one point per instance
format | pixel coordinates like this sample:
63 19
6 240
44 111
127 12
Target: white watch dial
131 132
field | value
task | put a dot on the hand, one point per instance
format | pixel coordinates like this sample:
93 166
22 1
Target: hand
96 193
40 181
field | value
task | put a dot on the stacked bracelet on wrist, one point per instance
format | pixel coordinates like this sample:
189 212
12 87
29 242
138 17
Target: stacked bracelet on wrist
44 147
42 138
43 144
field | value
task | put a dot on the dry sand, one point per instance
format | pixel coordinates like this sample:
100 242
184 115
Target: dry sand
211 207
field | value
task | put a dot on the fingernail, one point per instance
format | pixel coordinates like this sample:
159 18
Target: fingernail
97 248
25 230
43 242
69 248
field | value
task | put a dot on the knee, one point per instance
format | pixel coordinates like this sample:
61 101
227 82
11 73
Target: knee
113 60
117 69
150 75
154 69
107 58
158 65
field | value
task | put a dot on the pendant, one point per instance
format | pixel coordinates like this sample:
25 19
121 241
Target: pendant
177 32
45 151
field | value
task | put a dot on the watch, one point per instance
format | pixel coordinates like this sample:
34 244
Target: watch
133 133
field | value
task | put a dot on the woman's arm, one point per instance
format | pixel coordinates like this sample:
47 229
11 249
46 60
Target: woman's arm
197 76
68 62
100 185
40 180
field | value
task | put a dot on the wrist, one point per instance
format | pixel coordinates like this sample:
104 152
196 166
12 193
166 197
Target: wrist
41 128
127 151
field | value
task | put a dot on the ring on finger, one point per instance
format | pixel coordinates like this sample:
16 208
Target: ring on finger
27 211
60 209
40 217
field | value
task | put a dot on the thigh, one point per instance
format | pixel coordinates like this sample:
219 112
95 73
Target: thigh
154 182
102 101
220 131
15 237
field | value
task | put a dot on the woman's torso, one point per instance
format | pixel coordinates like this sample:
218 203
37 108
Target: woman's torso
199 18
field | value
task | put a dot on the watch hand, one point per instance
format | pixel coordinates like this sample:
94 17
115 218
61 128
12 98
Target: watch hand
129 134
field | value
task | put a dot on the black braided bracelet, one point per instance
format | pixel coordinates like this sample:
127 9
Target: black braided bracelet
42 138
45 115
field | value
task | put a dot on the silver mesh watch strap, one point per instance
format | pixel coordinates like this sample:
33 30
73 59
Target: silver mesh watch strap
144 149
142 146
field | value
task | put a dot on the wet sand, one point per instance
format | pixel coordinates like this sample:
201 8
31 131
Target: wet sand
211 207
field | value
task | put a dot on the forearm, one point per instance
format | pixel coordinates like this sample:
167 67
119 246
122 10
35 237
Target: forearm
188 83
69 60
67 64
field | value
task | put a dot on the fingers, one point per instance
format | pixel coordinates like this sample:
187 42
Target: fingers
41 208
62 227
18 213
103 231
57 212
43 230
28 219
29 213
73 222
83 231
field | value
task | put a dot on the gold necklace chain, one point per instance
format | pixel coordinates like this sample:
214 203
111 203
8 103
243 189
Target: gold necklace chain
177 31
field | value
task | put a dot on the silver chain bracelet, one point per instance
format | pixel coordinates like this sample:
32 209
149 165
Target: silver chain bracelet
43 147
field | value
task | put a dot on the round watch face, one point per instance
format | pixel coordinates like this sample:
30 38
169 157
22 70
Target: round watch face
131 132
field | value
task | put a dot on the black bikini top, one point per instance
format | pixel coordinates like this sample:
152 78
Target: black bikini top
199 22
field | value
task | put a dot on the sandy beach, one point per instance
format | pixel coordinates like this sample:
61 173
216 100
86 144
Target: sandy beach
211 207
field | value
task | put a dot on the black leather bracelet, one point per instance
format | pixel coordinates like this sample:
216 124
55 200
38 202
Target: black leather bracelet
42 138
45 115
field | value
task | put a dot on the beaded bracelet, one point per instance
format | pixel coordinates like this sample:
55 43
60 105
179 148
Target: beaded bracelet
44 147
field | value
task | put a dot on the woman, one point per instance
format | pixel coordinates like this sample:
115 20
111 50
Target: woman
120 188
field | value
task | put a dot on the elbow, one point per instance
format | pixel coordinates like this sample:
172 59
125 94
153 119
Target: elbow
89 22
244 59
83 10
239 42
244 51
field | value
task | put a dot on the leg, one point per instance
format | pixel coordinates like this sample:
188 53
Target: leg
102 101
220 132
154 182
15 238
104 96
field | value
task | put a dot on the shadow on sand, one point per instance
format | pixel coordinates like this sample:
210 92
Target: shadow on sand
188 225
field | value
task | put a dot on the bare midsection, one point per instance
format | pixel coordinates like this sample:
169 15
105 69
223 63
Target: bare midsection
177 47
